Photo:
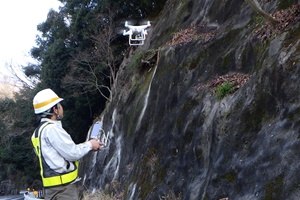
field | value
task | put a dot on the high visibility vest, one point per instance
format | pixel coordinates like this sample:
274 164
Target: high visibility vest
50 177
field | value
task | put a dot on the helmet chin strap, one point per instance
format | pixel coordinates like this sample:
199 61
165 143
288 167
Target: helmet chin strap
48 113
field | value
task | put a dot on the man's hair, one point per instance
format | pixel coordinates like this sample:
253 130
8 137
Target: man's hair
49 113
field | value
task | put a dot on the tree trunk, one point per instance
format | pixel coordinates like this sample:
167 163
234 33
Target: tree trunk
255 5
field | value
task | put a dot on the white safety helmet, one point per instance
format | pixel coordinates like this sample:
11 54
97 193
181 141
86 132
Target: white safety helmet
44 100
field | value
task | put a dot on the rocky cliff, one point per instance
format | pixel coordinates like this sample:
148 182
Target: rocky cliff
208 108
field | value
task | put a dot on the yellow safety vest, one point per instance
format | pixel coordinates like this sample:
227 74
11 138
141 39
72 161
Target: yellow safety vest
50 178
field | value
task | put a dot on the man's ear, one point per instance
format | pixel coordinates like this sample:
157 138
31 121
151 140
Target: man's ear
55 110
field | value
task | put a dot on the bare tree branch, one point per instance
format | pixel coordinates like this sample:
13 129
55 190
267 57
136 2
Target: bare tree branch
88 70
255 5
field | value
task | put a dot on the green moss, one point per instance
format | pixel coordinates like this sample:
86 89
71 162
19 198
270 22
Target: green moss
199 153
273 188
193 64
226 61
161 174
145 83
140 86
258 19
284 4
251 122
188 106
295 115
188 137
164 72
230 177
260 49
183 9
170 30
206 197
138 55
150 173
221 46
179 121
182 1
145 190
292 37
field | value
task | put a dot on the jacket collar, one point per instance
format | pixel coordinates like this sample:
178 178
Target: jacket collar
56 122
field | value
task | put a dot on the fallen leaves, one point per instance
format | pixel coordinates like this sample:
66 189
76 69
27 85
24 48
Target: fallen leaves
286 19
236 79
201 32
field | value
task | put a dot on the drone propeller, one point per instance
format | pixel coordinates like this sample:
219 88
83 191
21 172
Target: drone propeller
143 22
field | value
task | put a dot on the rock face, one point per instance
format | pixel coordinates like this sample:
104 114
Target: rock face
171 137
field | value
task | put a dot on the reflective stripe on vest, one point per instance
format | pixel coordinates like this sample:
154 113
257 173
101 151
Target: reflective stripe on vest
56 179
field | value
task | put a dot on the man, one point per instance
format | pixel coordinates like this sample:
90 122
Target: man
58 154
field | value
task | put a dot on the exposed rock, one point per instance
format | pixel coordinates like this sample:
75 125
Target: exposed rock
237 79
169 135
201 33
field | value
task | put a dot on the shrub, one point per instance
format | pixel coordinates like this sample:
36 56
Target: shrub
224 90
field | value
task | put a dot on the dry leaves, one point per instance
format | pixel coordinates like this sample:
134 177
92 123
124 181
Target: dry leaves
286 19
236 79
201 32
183 36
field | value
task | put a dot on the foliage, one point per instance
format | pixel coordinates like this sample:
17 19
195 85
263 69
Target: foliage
224 90
16 153
78 51
138 9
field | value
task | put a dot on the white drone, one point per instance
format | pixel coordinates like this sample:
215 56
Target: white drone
137 34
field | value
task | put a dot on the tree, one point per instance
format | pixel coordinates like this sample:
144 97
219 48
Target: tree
53 51
255 5
65 37
96 68
79 52
17 125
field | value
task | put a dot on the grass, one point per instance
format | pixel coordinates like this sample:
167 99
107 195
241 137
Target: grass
224 90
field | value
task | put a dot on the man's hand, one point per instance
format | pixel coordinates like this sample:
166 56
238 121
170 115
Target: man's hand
96 145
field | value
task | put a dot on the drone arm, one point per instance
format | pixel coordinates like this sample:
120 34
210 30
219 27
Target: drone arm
127 32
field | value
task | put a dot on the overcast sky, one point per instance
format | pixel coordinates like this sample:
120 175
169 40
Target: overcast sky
18 20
